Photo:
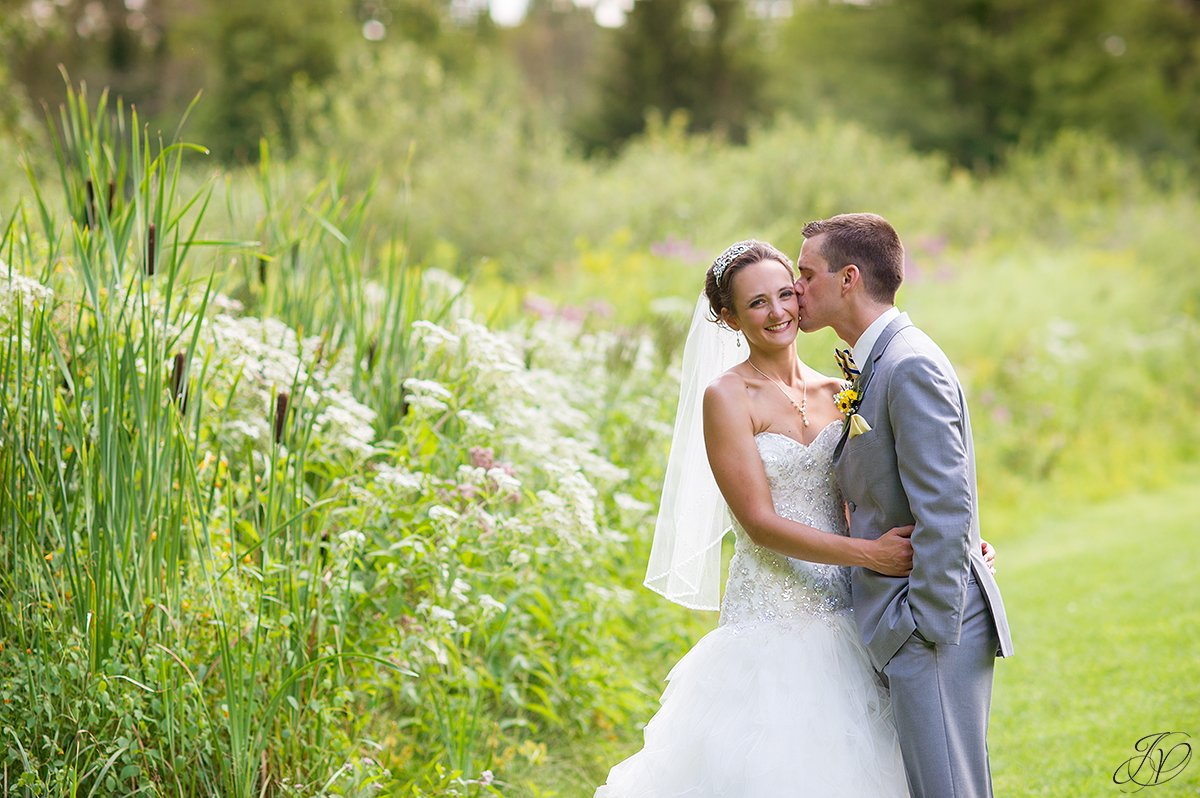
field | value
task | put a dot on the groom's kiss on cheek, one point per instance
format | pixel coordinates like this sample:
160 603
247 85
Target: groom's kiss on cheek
816 286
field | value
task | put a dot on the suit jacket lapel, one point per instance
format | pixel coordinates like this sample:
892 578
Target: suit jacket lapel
881 344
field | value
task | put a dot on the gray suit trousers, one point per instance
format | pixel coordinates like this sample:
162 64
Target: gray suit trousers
939 694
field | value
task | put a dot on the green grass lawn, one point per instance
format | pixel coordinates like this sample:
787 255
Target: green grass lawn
1104 603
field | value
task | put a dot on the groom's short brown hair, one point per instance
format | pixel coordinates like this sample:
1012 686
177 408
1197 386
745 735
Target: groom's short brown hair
870 243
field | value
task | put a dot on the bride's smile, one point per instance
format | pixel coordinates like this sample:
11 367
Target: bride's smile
766 308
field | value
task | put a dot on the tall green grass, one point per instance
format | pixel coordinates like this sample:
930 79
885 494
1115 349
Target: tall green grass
124 518
284 518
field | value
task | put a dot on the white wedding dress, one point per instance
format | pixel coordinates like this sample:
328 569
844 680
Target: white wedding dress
780 699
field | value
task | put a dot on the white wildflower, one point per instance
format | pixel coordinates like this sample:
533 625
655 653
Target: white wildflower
352 538
489 603
461 590
504 481
476 422
495 359
601 469
439 512
225 304
18 289
253 431
470 475
428 403
433 336
443 280
439 653
486 519
398 478
629 504
419 387
26 293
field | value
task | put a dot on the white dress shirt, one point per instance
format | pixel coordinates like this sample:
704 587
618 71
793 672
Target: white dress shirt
861 351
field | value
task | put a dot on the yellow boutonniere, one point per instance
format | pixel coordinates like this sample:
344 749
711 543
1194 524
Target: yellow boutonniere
847 401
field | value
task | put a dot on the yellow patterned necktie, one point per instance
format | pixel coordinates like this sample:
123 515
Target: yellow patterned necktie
846 361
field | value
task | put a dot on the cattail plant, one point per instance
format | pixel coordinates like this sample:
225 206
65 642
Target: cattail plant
177 385
90 208
372 352
281 407
151 247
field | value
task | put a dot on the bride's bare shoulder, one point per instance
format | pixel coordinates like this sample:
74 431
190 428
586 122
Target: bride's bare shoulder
728 390
727 405
730 383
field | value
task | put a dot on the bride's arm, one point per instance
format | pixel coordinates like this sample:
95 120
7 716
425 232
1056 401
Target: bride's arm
737 467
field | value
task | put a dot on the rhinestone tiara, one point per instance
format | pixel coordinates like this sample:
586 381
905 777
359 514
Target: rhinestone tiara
728 256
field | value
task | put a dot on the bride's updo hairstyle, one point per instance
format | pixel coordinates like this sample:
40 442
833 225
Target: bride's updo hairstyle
718 284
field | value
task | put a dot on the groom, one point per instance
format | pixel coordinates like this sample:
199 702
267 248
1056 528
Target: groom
909 459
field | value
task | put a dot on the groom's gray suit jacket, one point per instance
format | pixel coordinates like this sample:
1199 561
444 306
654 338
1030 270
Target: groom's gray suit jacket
916 465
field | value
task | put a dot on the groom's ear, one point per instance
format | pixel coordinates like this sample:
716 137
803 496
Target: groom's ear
851 277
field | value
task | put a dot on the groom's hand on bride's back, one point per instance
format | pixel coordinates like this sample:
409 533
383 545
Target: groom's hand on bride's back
893 554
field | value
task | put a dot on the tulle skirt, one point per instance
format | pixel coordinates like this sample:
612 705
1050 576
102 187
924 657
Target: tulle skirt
769 711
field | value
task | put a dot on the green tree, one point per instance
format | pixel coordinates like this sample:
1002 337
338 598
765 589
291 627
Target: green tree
555 49
453 32
107 43
974 77
13 110
678 55
259 51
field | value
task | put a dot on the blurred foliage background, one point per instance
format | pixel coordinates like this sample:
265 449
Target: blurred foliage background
968 78
498 231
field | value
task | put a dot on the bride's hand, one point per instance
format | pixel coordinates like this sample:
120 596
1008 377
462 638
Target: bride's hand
893 552
989 556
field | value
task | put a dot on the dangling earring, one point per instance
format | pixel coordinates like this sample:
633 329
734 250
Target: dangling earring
737 337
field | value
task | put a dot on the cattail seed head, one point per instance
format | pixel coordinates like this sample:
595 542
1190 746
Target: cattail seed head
177 381
262 269
112 194
281 406
372 351
90 210
151 249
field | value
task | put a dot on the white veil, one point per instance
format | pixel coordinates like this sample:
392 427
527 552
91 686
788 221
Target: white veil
685 559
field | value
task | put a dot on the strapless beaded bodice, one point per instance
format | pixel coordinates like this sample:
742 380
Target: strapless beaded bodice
764 586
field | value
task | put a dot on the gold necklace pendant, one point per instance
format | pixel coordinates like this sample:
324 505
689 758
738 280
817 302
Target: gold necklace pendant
802 405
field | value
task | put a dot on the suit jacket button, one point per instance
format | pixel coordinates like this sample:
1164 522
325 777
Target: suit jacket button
852 506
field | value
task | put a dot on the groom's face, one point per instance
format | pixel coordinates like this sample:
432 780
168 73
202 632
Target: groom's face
819 289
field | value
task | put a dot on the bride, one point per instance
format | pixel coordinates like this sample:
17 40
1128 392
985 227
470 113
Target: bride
780 699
